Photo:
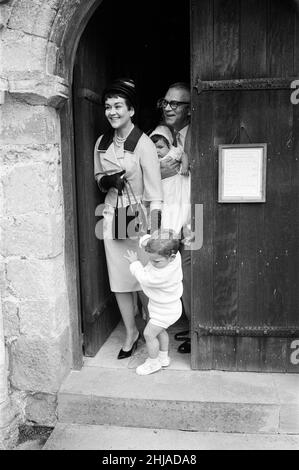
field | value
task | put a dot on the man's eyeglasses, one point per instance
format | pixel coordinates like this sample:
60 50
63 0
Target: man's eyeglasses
162 103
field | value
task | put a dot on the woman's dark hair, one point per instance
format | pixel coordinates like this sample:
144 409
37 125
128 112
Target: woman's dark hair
124 88
117 95
156 137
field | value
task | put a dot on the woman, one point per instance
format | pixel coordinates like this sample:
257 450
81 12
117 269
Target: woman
127 152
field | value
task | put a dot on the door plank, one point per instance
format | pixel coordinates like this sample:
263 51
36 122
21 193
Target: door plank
202 40
253 37
281 35
225 238
247 270
202 172
274 355
226 39
253 111
203 193
89 121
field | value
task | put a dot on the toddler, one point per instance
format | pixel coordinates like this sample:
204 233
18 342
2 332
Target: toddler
161 281
176 188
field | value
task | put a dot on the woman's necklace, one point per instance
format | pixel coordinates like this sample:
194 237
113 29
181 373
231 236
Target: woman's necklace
119 141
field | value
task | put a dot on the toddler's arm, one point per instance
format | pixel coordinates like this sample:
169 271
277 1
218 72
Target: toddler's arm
137 269
139 272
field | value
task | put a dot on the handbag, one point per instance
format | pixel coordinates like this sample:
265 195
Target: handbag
128 221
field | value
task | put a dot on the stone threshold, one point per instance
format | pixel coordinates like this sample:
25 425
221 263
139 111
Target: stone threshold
206 401
85 437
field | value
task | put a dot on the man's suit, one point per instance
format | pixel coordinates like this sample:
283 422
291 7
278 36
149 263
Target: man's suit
185 253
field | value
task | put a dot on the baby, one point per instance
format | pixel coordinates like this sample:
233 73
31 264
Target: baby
163 141
176 188
161 281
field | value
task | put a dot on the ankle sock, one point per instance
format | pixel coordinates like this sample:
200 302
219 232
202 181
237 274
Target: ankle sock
163 354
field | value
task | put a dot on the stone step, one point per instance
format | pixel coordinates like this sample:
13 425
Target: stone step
205 401
88 437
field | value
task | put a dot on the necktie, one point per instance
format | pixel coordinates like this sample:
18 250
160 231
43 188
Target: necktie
175 143
179 140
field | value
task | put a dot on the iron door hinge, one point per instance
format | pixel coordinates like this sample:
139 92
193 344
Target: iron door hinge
248 331
244 84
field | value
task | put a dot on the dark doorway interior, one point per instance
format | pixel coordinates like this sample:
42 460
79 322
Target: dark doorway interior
148 42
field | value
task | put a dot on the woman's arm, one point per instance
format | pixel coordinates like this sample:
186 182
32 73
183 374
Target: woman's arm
98 169
106 181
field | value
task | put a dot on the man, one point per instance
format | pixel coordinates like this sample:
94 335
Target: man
177 114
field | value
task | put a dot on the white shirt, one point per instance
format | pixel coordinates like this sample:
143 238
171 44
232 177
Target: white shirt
181 136
163 286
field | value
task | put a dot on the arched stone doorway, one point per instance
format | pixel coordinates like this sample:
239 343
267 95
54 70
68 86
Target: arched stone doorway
39 259
38 265
40 268
142 51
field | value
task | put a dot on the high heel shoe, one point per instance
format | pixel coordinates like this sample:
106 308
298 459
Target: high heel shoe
123 354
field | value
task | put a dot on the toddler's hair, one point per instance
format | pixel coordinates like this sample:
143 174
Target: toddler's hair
156 137
164 242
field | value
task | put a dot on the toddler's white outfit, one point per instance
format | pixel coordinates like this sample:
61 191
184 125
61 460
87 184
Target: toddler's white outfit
164 289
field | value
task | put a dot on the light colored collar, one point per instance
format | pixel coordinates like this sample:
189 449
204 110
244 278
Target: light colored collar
183 132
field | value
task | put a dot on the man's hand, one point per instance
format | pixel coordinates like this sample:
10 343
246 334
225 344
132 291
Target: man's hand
169 167
131 256
189 236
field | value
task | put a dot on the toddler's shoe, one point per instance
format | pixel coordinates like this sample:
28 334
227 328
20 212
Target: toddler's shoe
149 367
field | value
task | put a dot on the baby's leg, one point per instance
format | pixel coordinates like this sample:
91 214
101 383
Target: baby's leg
151 334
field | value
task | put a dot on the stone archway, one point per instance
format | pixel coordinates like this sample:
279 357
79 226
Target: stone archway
38 270
38 278
39 40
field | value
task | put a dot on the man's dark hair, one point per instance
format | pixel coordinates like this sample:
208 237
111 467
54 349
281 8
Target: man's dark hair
181 86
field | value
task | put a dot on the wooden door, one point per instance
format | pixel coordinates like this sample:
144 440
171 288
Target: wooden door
246 277
91 73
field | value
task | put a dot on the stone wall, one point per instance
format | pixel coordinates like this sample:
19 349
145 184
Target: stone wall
33 287
32 231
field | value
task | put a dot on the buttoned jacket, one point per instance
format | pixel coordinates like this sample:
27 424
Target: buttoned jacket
140 161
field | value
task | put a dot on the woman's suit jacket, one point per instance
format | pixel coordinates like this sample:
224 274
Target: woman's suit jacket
140 162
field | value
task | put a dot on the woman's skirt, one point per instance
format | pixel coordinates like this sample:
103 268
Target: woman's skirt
120 277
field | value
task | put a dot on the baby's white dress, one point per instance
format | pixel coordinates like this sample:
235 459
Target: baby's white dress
176 196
